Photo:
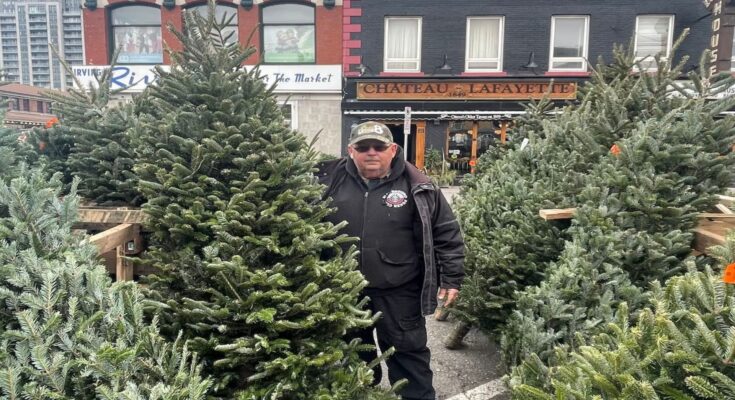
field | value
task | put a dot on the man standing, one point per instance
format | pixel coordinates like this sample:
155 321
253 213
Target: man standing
410 248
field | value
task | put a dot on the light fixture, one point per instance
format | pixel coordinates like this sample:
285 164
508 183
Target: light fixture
90 4
247 3
444 69
329 3
169 4
531 62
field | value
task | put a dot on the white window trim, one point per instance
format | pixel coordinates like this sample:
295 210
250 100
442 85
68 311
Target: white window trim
385 47
501 39
582 59
669 40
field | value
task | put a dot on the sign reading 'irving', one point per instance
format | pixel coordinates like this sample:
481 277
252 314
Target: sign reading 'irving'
448 90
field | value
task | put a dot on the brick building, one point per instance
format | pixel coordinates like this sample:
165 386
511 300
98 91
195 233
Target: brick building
27 106
464 70
299 45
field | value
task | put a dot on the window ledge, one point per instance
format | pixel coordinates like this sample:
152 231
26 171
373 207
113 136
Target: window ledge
567 73
480 74
401 74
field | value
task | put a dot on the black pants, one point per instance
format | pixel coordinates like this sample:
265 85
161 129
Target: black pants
403 327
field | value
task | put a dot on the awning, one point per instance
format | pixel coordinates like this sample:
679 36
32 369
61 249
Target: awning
464 115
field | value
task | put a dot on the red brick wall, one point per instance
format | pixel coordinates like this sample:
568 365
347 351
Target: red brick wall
328 22
328 35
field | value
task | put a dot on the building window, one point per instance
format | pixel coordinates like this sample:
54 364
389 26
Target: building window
653 35
402 44
569 36
288 110
288 34
136 31
484 44
223 13
732 52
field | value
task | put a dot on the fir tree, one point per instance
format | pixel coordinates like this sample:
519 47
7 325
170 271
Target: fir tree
92 141
635 217
67 332
681 347
238 235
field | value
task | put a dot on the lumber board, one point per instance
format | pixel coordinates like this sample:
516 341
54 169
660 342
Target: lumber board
114 237
557 213
103 218
123 268
727 201
723 209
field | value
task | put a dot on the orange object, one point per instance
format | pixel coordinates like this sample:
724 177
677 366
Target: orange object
729 276
472 163
615 150
50 123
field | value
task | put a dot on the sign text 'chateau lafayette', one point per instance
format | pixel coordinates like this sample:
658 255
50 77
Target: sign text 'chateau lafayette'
442 90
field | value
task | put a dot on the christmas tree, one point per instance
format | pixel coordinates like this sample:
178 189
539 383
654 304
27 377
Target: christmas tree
636 213
67 332
238 233
681 347
92 141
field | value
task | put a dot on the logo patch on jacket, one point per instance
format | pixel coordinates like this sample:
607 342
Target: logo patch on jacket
395 198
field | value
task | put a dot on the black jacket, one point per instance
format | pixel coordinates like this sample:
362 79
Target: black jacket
442 244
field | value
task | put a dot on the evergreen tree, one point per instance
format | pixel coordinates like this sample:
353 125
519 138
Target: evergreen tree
92 142
635 217
238 232
67 332
681 347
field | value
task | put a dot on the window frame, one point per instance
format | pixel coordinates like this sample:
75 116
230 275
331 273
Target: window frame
293 105
501 40
112 26
585 49
669 39
386 60
263 26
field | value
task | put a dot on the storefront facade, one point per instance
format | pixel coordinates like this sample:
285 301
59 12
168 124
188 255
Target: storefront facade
298 42
459 75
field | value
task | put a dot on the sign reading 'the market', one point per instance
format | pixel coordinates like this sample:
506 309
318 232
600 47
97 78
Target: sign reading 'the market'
443 90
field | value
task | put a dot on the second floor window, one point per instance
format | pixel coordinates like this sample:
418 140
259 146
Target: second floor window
569 43
484 44
136 31
653 35
402 47
288 34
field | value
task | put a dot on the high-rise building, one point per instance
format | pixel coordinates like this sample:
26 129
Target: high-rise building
27 29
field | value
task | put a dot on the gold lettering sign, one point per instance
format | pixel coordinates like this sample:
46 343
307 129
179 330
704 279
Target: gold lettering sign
443 90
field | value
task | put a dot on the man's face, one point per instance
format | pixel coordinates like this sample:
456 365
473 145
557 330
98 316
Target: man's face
372 157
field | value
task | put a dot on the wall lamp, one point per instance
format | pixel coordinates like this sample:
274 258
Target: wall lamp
247 3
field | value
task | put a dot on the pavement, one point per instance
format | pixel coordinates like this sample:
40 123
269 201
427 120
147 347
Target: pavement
472 372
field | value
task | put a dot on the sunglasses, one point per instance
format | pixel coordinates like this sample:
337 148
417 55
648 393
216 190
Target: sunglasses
364 148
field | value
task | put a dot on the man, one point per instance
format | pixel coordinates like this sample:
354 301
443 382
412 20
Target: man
410 247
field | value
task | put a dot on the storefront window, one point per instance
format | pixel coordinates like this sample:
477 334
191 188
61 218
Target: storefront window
288 34
136 31
653 36
223 13
487 137
459 146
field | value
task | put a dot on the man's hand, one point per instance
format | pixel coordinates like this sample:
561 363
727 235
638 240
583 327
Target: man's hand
449 296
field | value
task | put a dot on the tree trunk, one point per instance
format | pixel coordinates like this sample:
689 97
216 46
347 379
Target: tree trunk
454 340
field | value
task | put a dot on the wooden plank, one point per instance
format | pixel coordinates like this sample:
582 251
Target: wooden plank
728 201
123 268
723 209
557 213
106 216
112 238
705 238
716 216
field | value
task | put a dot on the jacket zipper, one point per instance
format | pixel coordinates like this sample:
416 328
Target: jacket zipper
364 219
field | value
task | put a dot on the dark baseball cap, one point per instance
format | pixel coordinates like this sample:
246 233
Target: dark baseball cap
371 130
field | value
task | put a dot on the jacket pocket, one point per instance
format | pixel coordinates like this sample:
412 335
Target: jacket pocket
395 261
385 272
